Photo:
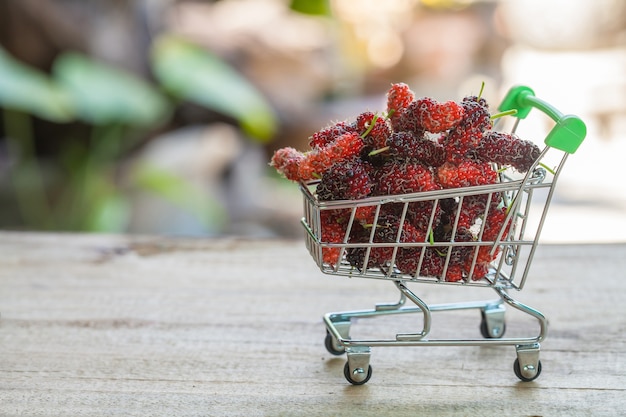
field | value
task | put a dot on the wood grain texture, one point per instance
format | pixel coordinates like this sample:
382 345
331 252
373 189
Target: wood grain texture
96 325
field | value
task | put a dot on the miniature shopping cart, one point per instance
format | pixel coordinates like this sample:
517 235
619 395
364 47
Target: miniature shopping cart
526 198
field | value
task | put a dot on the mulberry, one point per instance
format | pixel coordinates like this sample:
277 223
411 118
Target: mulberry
507 149
319 160
399 97
286 162
346 180
333 231
462 140
327 135
373 129
465 174
438 117
407 177
408 145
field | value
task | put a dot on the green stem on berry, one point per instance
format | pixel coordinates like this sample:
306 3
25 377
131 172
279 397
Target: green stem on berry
370 127
316 175
551 171
482 89
509 207
377 151
431 240
503 113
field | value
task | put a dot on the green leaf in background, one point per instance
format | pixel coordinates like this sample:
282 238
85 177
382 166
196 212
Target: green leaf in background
194 74
311 7
107 95
29 90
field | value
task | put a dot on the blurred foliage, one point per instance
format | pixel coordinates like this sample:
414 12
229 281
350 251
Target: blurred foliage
311 7
191 73
102 95
80 190
26 89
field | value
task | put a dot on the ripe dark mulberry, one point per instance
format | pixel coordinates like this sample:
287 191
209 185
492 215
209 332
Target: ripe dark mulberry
408 145
462 140
377 133
507 149
346 180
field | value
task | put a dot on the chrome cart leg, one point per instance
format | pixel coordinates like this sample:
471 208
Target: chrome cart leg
541 319
392 306
527 365
337 331
358 369
423 307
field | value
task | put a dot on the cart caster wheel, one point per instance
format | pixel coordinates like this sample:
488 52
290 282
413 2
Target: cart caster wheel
332 346
359 376
492 325
494 334
518 371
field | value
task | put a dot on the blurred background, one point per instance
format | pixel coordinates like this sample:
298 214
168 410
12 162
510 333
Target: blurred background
160 116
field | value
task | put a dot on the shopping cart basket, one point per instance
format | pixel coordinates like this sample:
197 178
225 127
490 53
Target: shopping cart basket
522 199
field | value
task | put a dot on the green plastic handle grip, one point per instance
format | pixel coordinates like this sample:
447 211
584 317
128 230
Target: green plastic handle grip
568 132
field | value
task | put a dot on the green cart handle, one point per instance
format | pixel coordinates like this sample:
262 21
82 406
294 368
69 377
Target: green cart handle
569 131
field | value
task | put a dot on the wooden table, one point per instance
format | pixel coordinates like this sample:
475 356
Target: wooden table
120 325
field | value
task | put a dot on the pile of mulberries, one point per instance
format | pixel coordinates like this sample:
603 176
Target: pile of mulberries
418 145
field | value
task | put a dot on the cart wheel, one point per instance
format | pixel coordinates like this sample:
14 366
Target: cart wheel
350 377
518 371
484 330
331 345
495 333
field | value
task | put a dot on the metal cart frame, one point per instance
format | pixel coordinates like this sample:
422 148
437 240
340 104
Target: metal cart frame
527 197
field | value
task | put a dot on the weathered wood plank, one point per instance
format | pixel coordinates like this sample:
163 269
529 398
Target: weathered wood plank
118 325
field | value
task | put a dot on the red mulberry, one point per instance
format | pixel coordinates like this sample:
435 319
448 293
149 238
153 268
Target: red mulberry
286 161
402 178
465 174
333 231
399 97
319 160
327 135
437 117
